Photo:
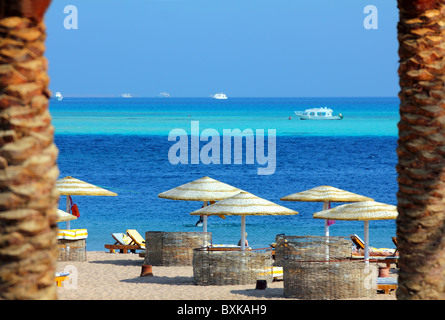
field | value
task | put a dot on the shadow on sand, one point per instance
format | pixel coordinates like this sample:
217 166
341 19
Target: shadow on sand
267 293
177 281
124 262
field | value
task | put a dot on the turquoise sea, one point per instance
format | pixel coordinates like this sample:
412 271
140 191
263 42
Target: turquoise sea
122 144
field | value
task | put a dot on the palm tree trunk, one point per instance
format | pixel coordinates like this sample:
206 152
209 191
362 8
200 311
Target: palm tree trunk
421 150
28 170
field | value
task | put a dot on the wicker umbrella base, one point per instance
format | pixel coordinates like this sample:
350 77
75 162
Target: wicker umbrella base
213 267
173 248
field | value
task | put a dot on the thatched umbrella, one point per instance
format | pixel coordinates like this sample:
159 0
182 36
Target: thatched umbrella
70 186
204 189
64 216
365 210
244 204
325 194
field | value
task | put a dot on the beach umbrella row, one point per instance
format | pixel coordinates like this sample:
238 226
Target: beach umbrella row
233 201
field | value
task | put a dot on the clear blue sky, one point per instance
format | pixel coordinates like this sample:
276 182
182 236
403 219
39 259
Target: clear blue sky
244 48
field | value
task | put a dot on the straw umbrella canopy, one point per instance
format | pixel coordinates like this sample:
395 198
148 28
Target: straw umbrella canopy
204 189
363 211
325 194
64 216
244 204
70 186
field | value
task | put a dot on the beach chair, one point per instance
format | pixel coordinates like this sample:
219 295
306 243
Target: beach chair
360 245
394 240
72 234
137 238
123 244
358 242
60 277
276 272
121 238
387 284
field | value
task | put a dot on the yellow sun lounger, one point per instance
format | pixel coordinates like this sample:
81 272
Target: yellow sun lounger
387 284
60 277
136 237
123 244
74 234
276 272
121 238
361 246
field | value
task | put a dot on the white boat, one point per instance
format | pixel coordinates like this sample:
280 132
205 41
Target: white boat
59 96
323 113
219 96
126 95
164 95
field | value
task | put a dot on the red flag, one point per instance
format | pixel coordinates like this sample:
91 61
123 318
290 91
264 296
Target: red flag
73 208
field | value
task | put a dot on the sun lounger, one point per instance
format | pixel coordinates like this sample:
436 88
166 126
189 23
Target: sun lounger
276 272
137 238
123 244
387 284
394 240
360 245
60 277
74 234
121 238
224 247
358 242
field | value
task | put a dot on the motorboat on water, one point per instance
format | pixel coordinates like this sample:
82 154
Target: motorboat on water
58 96
219 96
126 95
323 113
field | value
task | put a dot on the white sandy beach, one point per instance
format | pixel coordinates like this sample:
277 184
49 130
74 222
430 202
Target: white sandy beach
107 276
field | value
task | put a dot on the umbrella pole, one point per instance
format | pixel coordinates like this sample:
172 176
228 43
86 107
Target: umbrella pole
243 233
68 210
326 225
326 232
366 223
204 220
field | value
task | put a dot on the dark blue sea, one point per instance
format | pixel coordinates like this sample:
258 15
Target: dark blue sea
122 145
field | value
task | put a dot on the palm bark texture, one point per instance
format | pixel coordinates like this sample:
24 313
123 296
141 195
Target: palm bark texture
28 170
421 150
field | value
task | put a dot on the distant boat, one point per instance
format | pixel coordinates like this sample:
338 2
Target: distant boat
126 95
318 114
59 96
219 96
164 95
